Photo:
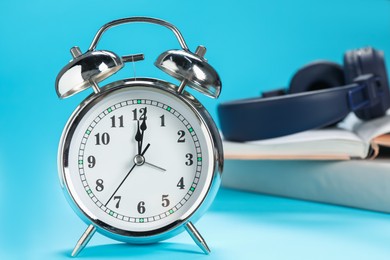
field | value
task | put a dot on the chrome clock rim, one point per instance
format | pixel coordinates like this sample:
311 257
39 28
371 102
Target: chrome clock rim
195 212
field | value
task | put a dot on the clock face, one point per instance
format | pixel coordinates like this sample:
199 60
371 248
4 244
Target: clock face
139 160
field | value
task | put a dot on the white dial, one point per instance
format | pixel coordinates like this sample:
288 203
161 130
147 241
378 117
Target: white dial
139 160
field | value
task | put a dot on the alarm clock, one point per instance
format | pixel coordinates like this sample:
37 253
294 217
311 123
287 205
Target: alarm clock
140 159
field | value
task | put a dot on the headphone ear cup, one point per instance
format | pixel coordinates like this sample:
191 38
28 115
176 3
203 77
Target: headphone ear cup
368 61
317 75
351 66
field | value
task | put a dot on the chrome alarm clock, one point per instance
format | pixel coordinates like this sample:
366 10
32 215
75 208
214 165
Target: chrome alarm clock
140 159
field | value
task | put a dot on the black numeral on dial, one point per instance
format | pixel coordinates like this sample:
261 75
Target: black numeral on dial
119 200
141 207
180 184
102 139
189 161
141 111
91 161
99 185
165 201
162 120
181 135
116 121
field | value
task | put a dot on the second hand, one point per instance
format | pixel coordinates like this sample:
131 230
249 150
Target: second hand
127 175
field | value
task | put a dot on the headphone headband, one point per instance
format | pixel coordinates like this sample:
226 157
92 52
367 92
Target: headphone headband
263 118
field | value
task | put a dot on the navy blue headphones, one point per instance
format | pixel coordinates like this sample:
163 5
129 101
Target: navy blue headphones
320 94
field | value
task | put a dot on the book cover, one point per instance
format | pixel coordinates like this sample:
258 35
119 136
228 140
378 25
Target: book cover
355 183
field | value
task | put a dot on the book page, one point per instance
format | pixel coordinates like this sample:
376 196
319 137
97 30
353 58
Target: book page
333 133
382 140
321 144
368 130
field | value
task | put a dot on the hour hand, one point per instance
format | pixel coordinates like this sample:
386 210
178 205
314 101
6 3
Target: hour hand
143 125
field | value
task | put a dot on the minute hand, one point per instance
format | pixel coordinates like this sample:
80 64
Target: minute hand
143 128
138 138
127 175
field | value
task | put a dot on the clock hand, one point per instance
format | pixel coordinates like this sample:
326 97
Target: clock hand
127 175
143 128
155 166
138 138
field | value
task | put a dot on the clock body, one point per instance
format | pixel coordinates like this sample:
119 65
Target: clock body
140 191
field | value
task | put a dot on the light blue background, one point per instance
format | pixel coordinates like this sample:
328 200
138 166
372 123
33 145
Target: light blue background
254 45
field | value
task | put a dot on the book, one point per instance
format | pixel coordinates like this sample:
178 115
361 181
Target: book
361 184
350 139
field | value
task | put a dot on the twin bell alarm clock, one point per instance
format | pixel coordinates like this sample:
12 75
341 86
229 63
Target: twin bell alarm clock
140 159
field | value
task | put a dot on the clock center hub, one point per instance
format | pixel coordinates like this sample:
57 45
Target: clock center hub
139 160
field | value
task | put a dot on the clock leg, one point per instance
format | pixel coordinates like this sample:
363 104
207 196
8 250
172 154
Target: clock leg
198 239
84 239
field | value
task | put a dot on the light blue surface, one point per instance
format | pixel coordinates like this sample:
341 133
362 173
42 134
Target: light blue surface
238 226
254 45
